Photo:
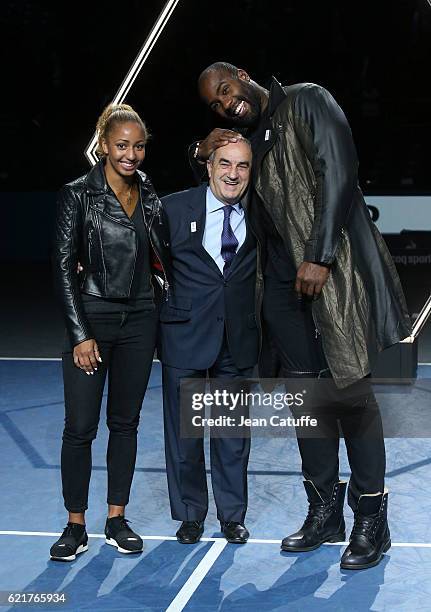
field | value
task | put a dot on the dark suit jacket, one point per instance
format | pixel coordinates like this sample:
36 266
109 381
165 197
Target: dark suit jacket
202 303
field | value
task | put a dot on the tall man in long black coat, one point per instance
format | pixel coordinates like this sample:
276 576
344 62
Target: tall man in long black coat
332 296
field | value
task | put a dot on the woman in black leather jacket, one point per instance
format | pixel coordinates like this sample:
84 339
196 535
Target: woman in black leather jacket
111 222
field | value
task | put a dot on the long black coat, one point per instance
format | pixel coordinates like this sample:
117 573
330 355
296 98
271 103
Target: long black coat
307 181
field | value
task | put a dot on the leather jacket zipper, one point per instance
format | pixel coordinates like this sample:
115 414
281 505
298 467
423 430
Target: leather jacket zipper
316 329
113 219
90 243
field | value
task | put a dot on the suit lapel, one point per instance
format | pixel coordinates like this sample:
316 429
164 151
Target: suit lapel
196 226
249 241
248 244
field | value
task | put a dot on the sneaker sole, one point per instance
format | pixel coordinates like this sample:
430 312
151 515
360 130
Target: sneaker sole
113 542
385 548
79 550
339 537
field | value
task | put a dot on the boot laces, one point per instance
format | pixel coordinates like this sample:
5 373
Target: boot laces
363 525
316 513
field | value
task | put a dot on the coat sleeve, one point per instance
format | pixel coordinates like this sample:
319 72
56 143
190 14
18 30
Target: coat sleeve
328 141
68 230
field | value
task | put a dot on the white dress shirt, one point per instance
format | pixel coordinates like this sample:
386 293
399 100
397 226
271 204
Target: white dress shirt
211 240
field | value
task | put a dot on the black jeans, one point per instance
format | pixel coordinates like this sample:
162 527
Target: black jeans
126 343
355 411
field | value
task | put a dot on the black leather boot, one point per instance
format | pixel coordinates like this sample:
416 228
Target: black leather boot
370 536
324 522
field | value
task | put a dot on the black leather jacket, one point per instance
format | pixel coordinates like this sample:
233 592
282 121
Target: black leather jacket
92 228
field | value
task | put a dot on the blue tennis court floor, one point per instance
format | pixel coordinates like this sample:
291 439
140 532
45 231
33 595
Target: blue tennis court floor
211 575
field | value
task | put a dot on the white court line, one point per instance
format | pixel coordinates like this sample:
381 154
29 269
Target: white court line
219 544
173 538
184 595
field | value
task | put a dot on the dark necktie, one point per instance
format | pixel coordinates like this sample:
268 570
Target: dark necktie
229 243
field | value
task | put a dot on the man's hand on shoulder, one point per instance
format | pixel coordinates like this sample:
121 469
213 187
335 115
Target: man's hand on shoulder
215 139
310 279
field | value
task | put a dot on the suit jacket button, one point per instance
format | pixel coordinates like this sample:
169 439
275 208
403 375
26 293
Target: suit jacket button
219 318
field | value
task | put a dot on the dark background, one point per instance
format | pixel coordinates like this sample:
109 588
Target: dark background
63 62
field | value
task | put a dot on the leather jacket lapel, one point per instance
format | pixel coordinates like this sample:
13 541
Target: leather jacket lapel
151 204
103 199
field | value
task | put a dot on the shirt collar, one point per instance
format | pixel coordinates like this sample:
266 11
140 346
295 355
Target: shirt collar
214 204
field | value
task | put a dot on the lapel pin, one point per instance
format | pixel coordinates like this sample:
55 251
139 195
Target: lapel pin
267 134
193 226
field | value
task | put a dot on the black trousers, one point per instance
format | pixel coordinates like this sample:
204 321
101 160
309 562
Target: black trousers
126 343
353 412
185 459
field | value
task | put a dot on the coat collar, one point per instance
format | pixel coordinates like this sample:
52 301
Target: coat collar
276 96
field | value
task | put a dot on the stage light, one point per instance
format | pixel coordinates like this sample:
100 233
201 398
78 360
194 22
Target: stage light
135 69
422 318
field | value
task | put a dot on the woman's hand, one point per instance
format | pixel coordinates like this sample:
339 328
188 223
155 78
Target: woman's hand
86 356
